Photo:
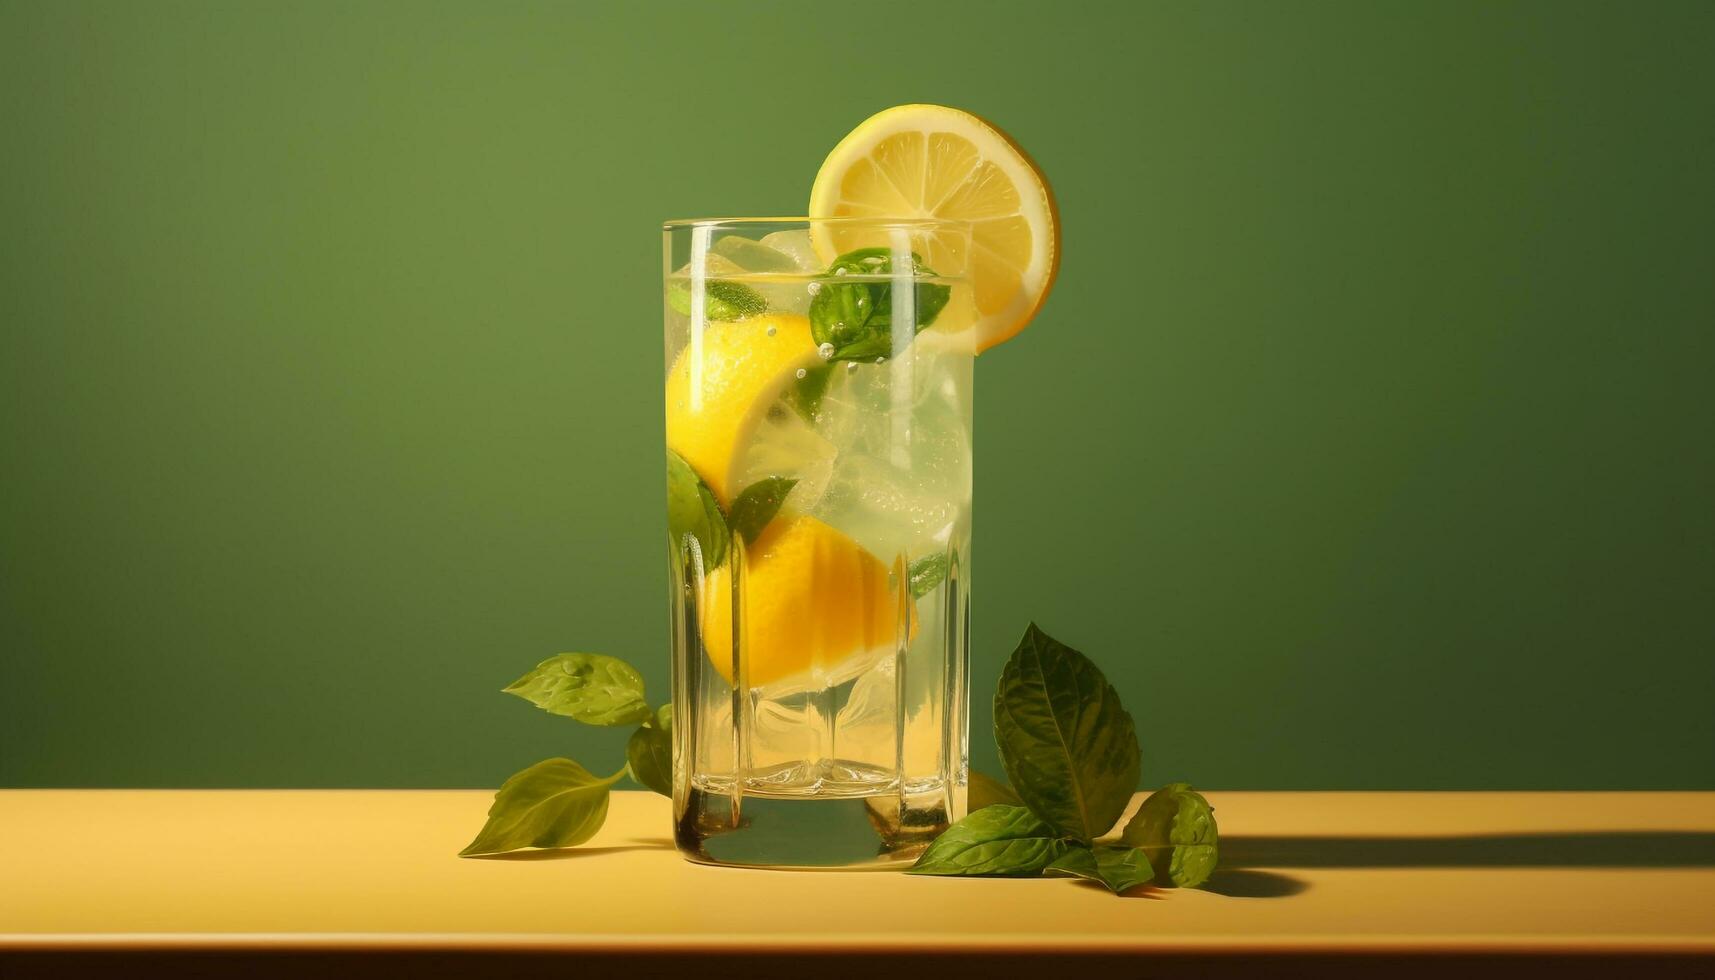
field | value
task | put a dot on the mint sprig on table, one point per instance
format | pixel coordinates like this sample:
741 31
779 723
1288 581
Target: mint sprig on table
1070 752
556 802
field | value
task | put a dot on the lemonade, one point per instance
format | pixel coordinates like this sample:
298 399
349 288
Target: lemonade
818 420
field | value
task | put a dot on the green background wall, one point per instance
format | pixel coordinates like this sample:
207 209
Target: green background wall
1366 441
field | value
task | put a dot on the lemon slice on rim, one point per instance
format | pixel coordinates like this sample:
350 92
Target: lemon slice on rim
930 161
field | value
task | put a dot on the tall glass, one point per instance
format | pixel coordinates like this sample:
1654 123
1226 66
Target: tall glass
818 403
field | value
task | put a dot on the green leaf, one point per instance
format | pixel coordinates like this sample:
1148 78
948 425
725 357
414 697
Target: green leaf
588 687
857 317
1119 868
722 299
805 394
994 842
556 803
649 756
692 510
664 717
1176 829
984 790
757 504
1069 747
926 574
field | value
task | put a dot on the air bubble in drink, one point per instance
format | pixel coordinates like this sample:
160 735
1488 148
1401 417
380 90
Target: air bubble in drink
826 351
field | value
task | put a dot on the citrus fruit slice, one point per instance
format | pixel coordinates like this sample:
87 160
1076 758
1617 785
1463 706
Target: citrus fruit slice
724 412
818 608
930 161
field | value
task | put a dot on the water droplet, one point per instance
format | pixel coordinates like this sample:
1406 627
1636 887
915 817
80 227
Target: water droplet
839 272
770 331
815 288
880 360
801 372
826 350
851 366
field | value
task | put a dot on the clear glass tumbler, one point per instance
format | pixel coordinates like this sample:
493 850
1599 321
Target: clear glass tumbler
818 407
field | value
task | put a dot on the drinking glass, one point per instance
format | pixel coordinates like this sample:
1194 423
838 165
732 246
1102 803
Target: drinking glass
818 408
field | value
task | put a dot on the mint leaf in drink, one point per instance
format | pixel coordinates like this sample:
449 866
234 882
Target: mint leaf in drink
984 790
926 574
1119 868
994 842
757 504
805 394
856 317
1069 747
649 757
1176 829
692 510
722 299
589 687
556 803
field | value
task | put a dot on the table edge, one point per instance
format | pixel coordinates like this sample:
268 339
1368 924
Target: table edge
1058 943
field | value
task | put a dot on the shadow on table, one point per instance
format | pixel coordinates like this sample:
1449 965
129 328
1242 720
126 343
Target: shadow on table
1249 883
1615 849
572 853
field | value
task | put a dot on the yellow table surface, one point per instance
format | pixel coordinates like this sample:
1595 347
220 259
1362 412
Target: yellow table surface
1527 872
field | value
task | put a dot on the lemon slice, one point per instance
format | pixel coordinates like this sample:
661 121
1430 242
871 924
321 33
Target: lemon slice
818 608
724 415
930 161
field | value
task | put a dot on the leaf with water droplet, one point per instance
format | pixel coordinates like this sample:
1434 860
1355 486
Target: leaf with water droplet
593 688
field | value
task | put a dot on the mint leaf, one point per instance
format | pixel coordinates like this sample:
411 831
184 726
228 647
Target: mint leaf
1176 829
805 394
722 299
757 504
857 317
1119 868
994 842
1069 747
588 687
984 790
692 510
664 717
649 757
926 574
556 803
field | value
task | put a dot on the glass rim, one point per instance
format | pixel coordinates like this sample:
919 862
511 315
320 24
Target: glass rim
676 224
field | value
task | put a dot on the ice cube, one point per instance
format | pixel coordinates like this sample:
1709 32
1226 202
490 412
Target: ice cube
716 266
796 246
753 256
902 477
